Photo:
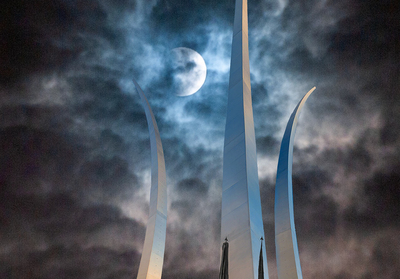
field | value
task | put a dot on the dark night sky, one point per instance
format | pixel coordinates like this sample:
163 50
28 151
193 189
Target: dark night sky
75 151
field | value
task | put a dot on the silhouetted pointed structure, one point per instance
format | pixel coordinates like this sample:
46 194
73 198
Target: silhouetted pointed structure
223 271
241 218
260 263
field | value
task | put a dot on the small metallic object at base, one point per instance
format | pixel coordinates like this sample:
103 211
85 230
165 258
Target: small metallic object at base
287 253
261 263
223 271
152 259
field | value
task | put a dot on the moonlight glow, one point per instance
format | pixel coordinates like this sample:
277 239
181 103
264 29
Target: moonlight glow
189 71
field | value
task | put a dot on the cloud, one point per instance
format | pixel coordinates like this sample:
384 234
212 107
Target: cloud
379 208
75 262
192 185
74 167
54 234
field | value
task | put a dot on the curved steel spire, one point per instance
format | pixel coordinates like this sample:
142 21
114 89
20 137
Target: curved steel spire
152 259
287 253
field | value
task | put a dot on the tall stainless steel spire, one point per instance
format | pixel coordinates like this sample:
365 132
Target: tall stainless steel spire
287 253
241 205
152 259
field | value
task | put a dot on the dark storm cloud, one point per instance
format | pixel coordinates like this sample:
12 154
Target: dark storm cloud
184 161
47 170
103 100
75 144
383 260
60 219
191 274
267 145
64 165
192 245
212 111
74 262
53 234
42 36
320 216
189 190
110 177
367 30
194 185
193 22
32 156
316 214
191 15
317 219
267 192
25 47
369 33
367 39
200 109
380 208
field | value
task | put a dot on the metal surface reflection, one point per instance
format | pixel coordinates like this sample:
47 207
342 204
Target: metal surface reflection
241 220
287 253
152 259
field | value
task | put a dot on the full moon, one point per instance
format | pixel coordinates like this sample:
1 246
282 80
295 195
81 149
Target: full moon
189 71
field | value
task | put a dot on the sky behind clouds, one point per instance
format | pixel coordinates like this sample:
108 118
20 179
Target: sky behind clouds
75 159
